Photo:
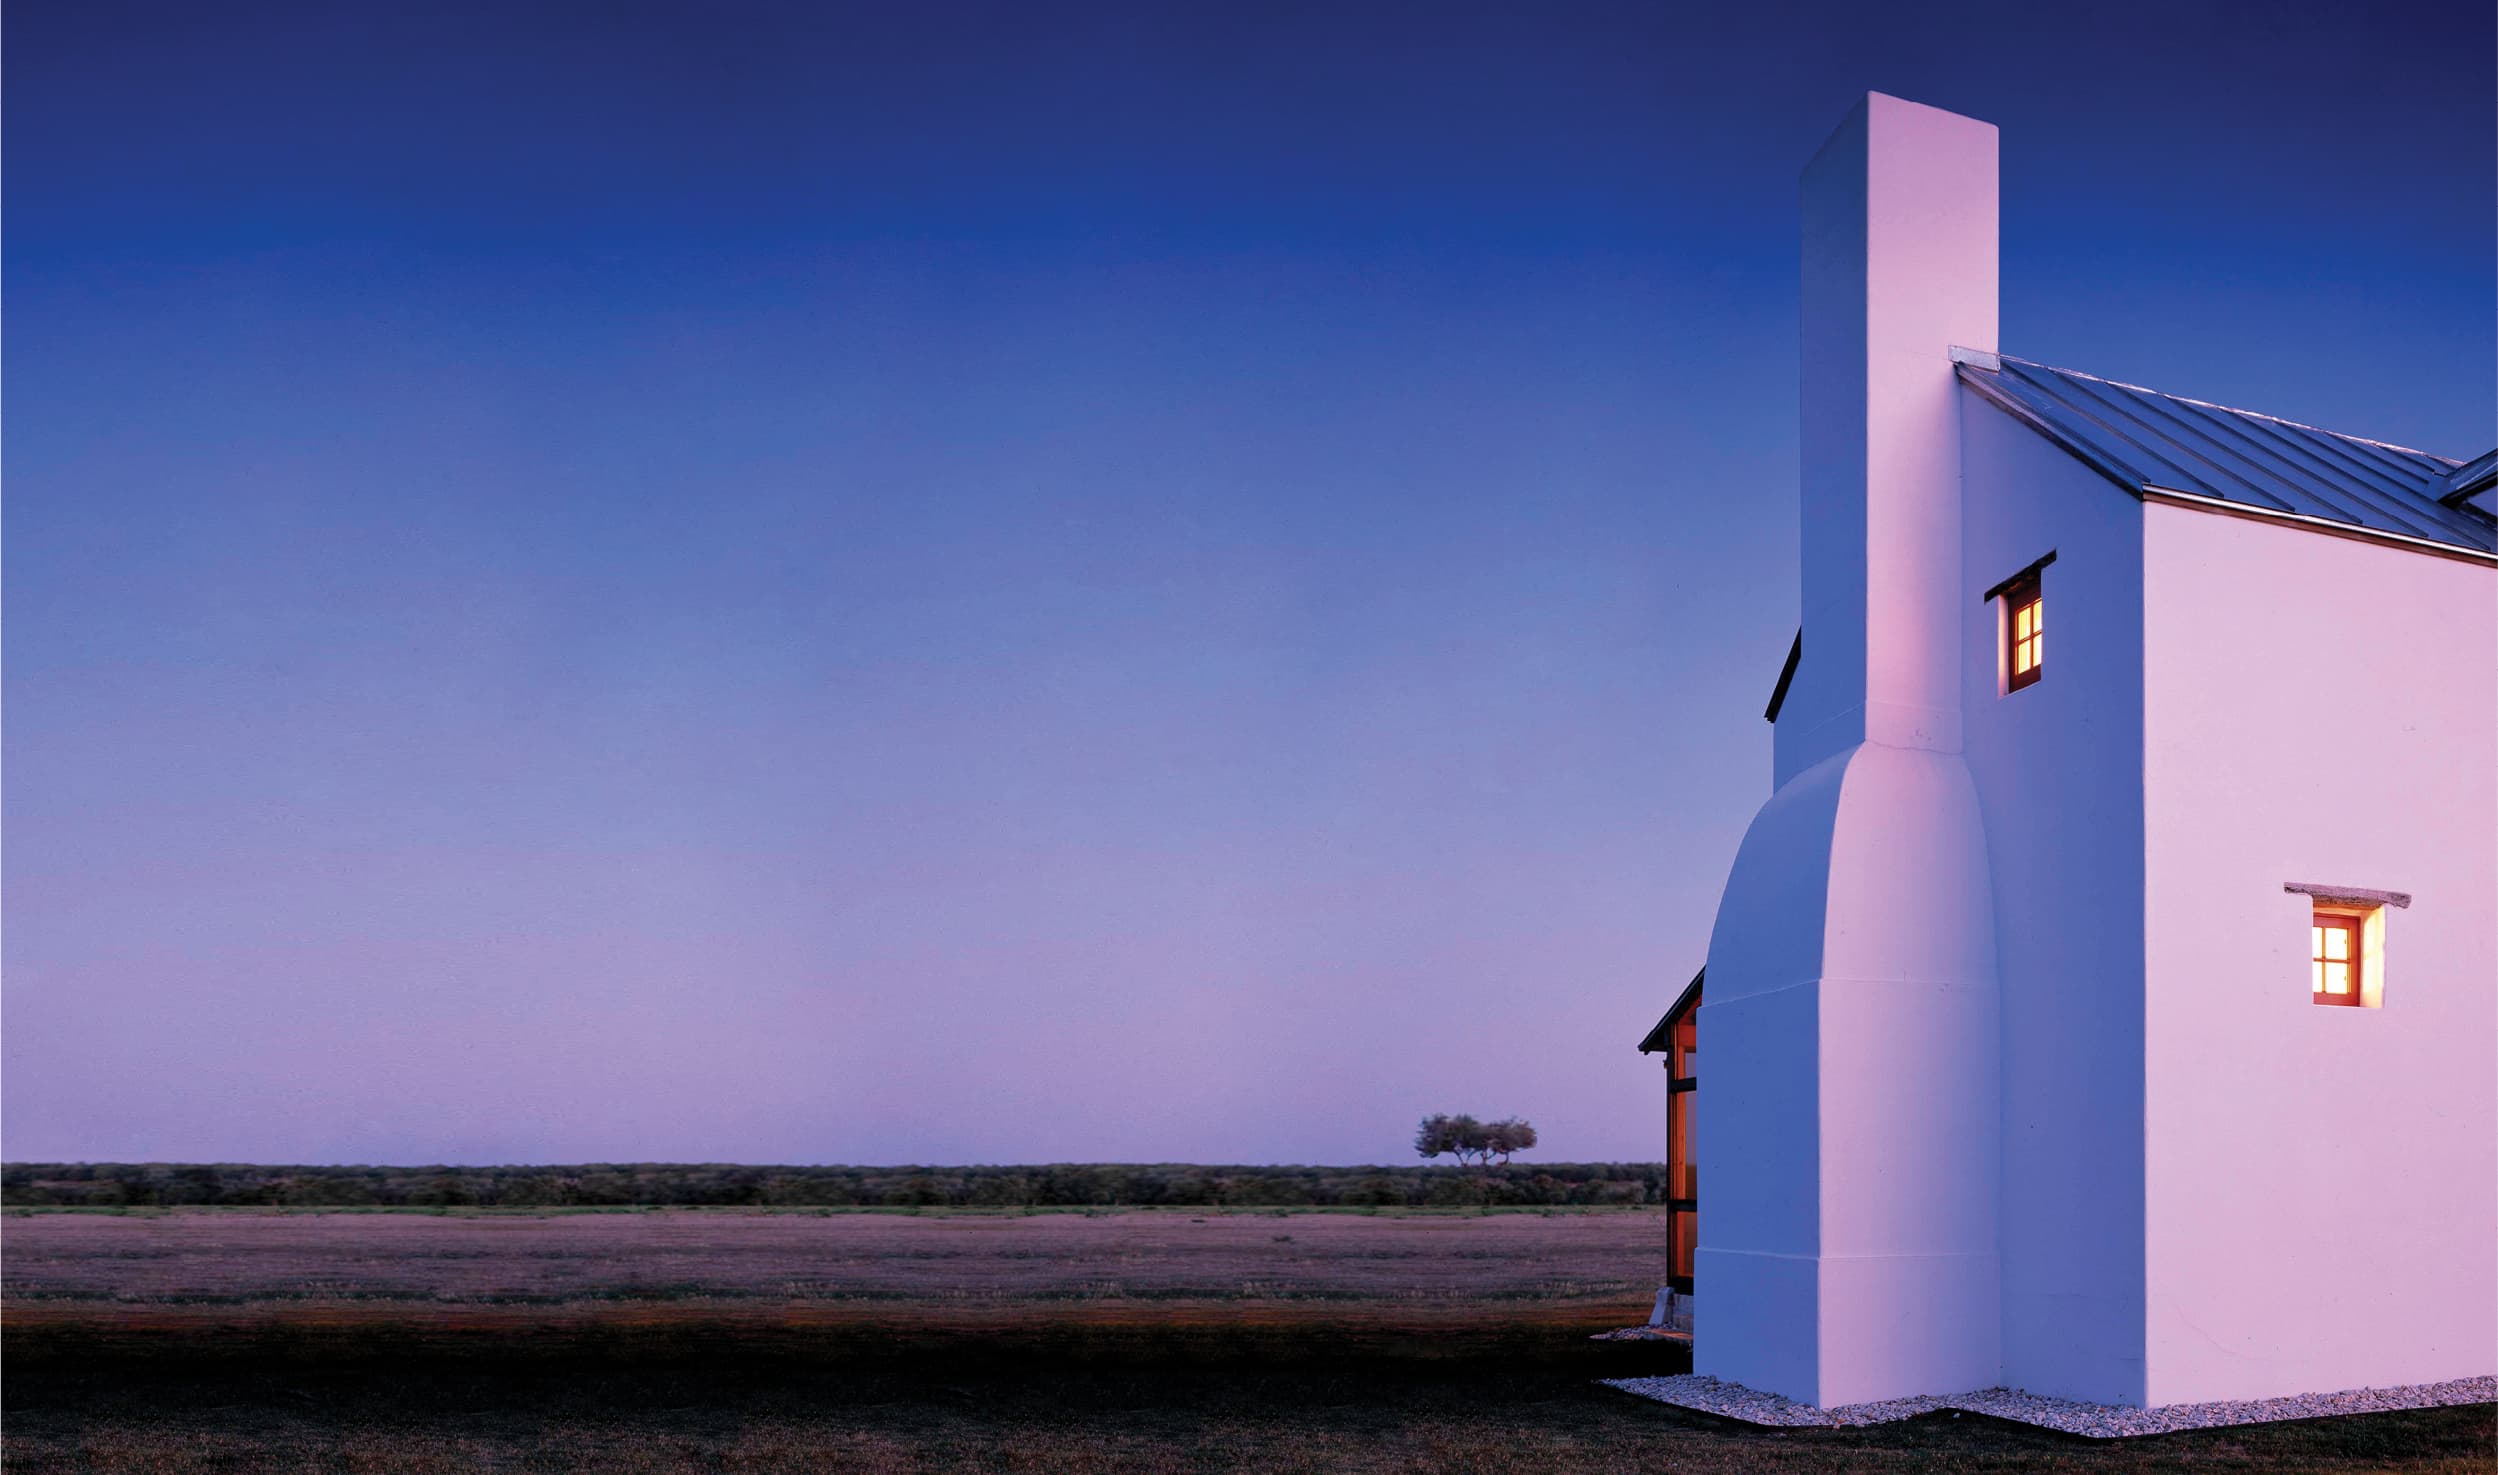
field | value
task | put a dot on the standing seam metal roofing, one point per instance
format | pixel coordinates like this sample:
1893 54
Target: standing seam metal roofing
2141 438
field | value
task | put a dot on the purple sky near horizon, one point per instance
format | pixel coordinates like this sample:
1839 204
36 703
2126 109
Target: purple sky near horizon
784 584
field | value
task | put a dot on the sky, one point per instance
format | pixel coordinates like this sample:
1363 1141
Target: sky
799 583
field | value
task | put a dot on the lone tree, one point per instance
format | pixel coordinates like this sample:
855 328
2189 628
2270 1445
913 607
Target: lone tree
1512 1134
1465 1138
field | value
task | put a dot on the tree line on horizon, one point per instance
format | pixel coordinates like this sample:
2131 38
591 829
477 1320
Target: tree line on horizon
728 1185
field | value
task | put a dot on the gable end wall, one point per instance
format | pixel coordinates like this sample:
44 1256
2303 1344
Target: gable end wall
2058 767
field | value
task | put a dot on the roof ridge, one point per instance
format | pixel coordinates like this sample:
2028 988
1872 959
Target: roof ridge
2449 461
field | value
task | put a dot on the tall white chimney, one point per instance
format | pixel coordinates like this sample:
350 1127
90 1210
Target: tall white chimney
1848 1243
1899 267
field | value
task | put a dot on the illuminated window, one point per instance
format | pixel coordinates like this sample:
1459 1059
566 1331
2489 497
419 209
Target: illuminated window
2346 942
2025 631
2336 956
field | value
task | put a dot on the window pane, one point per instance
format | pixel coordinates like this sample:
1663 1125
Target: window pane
2337 942
2021 623
2038 615
2316 948
2038 647
2319 986
2337 978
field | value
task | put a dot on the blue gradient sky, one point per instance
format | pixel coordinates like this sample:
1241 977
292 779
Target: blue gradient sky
776 583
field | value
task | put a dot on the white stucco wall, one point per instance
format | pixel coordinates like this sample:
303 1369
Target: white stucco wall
2321 1183
1848 1241
1909 1276
1848 1231
2058 768
1760 1225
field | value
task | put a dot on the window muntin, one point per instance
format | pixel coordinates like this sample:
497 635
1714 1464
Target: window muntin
2334 958
2025 632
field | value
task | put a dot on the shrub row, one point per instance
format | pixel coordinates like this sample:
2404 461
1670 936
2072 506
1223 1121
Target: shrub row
620 1185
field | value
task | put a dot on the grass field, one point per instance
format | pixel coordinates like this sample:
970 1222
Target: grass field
1599 1259
1173 1341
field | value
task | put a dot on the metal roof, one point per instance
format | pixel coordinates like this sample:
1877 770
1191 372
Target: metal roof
2144 440
2473 476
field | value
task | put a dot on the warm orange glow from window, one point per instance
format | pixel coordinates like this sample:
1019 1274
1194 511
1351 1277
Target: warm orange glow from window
2029 635
2334 957
2025 644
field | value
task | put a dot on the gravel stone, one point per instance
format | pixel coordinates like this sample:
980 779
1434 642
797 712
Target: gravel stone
2093 1420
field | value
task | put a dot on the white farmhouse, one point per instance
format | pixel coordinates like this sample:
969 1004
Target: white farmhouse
2106 1001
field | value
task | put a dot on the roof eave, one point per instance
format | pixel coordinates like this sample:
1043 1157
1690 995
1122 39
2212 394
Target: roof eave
1661 1037
1786 677
1982 380
2436 548
2470 479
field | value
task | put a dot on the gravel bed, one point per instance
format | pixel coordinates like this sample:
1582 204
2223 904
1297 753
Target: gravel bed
2095 1420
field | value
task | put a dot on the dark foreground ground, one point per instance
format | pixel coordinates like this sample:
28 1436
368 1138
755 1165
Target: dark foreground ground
1318 1364
682 1395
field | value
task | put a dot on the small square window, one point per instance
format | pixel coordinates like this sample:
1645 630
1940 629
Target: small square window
2346 955
2346 950
2025 631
